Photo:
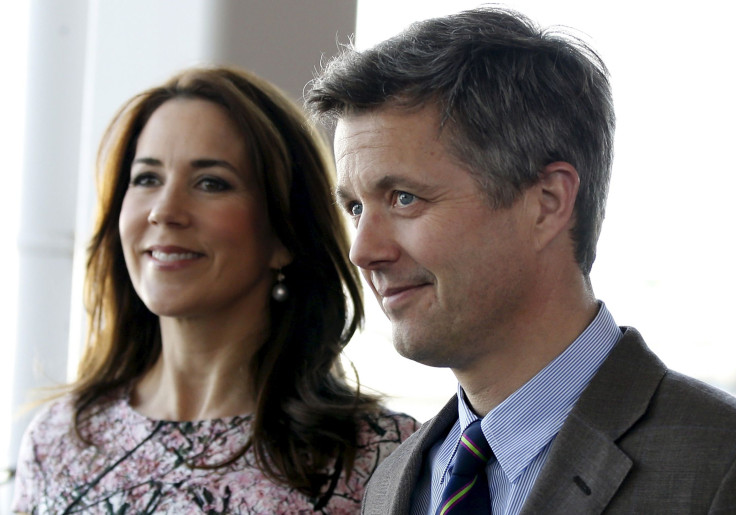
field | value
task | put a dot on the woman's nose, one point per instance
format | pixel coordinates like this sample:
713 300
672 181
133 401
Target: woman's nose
170 207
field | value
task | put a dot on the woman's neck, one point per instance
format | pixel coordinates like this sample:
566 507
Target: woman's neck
203 371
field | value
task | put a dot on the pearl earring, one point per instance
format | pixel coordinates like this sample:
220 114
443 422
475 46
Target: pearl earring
280 292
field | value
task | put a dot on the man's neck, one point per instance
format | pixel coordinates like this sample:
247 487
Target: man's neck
502 371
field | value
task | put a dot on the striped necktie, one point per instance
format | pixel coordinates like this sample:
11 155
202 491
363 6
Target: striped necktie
467 490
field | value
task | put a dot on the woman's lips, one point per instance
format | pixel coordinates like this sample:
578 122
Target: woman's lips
172 256
160 255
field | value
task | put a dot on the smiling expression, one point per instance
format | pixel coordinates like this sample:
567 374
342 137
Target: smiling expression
193 224
447 269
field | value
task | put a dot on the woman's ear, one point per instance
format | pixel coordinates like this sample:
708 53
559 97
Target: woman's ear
281 256
557 191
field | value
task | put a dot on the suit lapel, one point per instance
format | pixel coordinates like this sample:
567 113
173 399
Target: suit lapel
585 466
411 463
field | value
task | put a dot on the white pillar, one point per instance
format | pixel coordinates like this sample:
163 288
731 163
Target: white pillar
48 196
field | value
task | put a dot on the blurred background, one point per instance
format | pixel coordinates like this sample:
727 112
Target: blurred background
665 258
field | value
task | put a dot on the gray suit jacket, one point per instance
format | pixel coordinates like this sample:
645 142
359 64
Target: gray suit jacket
641 439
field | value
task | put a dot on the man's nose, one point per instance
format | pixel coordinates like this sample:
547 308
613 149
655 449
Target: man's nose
374 244
170 207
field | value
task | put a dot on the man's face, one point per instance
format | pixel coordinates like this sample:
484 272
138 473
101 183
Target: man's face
448 271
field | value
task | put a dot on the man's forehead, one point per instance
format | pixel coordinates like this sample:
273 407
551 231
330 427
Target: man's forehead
390 148
363 156
358 139
352 129
388 127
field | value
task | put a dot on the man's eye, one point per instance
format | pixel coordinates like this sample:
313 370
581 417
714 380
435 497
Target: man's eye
356 209
404 199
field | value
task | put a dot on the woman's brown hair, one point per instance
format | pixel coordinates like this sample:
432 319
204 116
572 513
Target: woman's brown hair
306 415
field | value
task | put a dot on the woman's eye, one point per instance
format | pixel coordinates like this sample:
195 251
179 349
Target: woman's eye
404 199
356 209
213 184
145 179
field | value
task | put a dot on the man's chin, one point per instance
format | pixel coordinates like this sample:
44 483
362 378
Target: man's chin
421 350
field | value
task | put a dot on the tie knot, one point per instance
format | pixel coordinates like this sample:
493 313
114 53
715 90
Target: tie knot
473 452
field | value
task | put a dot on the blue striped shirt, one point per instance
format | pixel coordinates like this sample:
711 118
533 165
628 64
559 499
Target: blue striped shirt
521 429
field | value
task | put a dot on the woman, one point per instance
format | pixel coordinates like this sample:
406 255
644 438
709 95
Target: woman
220 297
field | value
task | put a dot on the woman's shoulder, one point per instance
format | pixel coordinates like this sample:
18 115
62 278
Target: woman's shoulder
52 417
47 435
56 418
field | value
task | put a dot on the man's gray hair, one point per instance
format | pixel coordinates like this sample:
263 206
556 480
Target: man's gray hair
512 97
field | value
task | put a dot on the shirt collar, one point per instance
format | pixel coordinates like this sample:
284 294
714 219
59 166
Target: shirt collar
523 424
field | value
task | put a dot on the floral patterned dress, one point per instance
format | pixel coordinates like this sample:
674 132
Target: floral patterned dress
140 465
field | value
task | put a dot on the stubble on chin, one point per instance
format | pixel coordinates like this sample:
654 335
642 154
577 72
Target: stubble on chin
418 347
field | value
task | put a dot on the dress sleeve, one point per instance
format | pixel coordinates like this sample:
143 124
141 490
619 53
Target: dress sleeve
407 426
377 437
27 476
380 437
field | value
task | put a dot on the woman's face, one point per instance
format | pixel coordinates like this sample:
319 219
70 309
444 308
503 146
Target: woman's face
193 225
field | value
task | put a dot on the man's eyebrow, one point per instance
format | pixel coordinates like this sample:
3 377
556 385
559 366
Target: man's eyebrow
390 182
387 182
341 195
399 182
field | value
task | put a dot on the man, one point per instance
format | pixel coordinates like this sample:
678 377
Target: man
474 155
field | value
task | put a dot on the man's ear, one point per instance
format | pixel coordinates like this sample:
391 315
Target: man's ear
556 191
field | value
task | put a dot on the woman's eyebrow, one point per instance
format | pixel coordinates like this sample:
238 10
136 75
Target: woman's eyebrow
147 161
196 163
209 163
